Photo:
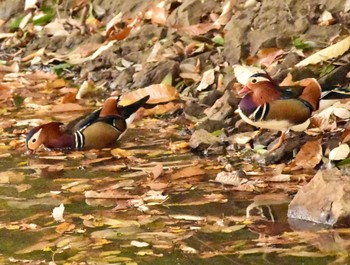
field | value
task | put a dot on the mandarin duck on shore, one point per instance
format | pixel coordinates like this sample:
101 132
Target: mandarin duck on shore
98 129
267 105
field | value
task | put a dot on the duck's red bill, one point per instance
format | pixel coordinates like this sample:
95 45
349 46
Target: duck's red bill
245 90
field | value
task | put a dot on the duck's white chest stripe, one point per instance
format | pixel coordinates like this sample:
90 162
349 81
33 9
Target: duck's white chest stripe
279 125
79 140
260 112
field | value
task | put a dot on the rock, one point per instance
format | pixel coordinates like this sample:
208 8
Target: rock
194 109
222 108
325 199
337 76
212 97
201 139
213 125
155 75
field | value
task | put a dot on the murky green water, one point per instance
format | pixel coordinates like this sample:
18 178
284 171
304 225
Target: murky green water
139 219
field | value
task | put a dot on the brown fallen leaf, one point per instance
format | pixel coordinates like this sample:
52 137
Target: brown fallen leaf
162 109
65 227
121 153
121 35
158 93
188 172
179 145
157 185
158 14
70 97
57 83
13 68
5 92
157 170
198 29
109 194
268 55
31 56
228 178
309 156
345 136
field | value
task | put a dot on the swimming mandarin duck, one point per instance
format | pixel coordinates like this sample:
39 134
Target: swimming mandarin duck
267 105
98 129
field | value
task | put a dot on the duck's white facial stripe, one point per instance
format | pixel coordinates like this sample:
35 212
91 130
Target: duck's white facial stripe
258 79
33 141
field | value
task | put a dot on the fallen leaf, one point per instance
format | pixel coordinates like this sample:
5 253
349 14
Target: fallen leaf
139 244
330 52
31 56
228 178
188 250
188 172
39 246
157 170
158 14
345 136
198 29
56 28
339 153
309 156
13 68
65 227
207 80
179 145
158 93
226 14
109 194
187 217
57 83
116 19
163 109
7 177
342 113
121 153
268 55
57 213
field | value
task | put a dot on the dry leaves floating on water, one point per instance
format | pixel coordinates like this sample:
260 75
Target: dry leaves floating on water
228 178
57 213
65 227
157 170
109 194
188 172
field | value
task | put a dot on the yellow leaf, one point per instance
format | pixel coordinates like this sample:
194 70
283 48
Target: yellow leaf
118 152
330 52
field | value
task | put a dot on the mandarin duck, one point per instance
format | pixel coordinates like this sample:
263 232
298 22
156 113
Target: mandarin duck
98 129
267 105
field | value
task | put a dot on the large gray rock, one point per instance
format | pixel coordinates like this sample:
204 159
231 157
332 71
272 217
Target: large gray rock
325 199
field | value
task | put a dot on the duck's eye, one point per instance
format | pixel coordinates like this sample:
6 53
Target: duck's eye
33 140
254 80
